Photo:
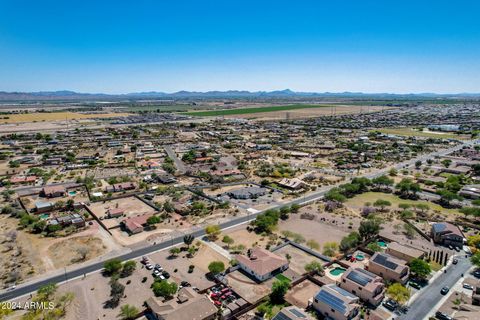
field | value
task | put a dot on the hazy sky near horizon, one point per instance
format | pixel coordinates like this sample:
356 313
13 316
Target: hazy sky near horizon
129 46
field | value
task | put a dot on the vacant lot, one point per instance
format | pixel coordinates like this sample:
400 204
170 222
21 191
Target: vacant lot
313 230
359 201
55 116
247 288
241 236
300 294
298 258
70 251
411 132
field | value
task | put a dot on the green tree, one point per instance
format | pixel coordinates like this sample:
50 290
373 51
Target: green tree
423 207
165 289
314 266
420 268
116 293
369 228
284 212
212 231
382 181
279 289
398 293
335 195
228 240
128 268
294 208
47 291
475 259
350 241
446 162
267 221
215 267
128 312
408 188
446 196
112 266
153 220
382 204
330 249
374 247
175 251
188 239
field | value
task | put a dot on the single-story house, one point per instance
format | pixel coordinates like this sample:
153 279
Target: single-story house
261 263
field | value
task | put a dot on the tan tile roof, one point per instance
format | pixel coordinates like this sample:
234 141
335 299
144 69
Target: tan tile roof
262 261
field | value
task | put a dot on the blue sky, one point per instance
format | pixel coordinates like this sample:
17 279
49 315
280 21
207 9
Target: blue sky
128 46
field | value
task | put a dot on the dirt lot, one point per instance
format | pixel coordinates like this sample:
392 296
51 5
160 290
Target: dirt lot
307 113
300 294
242 237
33 254
91 294
64 253
246 287
298 259
319 231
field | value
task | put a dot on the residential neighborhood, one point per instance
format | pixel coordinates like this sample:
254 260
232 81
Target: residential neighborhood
246 219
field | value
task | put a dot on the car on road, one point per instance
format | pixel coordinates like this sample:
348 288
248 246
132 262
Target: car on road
12 288
476 273
468 286
390 304
445 290
442 316
455 261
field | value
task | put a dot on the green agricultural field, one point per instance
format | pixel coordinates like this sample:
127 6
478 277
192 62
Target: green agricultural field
228 112
164 108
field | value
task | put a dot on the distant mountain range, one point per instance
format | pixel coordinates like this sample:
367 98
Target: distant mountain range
66 95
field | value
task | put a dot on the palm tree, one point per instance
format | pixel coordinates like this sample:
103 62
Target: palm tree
128 312
188 239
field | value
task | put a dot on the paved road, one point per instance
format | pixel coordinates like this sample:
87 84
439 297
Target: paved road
182 169
31 287
429 296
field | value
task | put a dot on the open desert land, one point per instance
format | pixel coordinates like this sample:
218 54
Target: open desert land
25 255
55 116
296 111
358 202
411 132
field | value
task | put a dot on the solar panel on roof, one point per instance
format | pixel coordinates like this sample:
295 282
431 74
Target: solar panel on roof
332 301
281 316
383 260
297 313
343 292
359 278
368 273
